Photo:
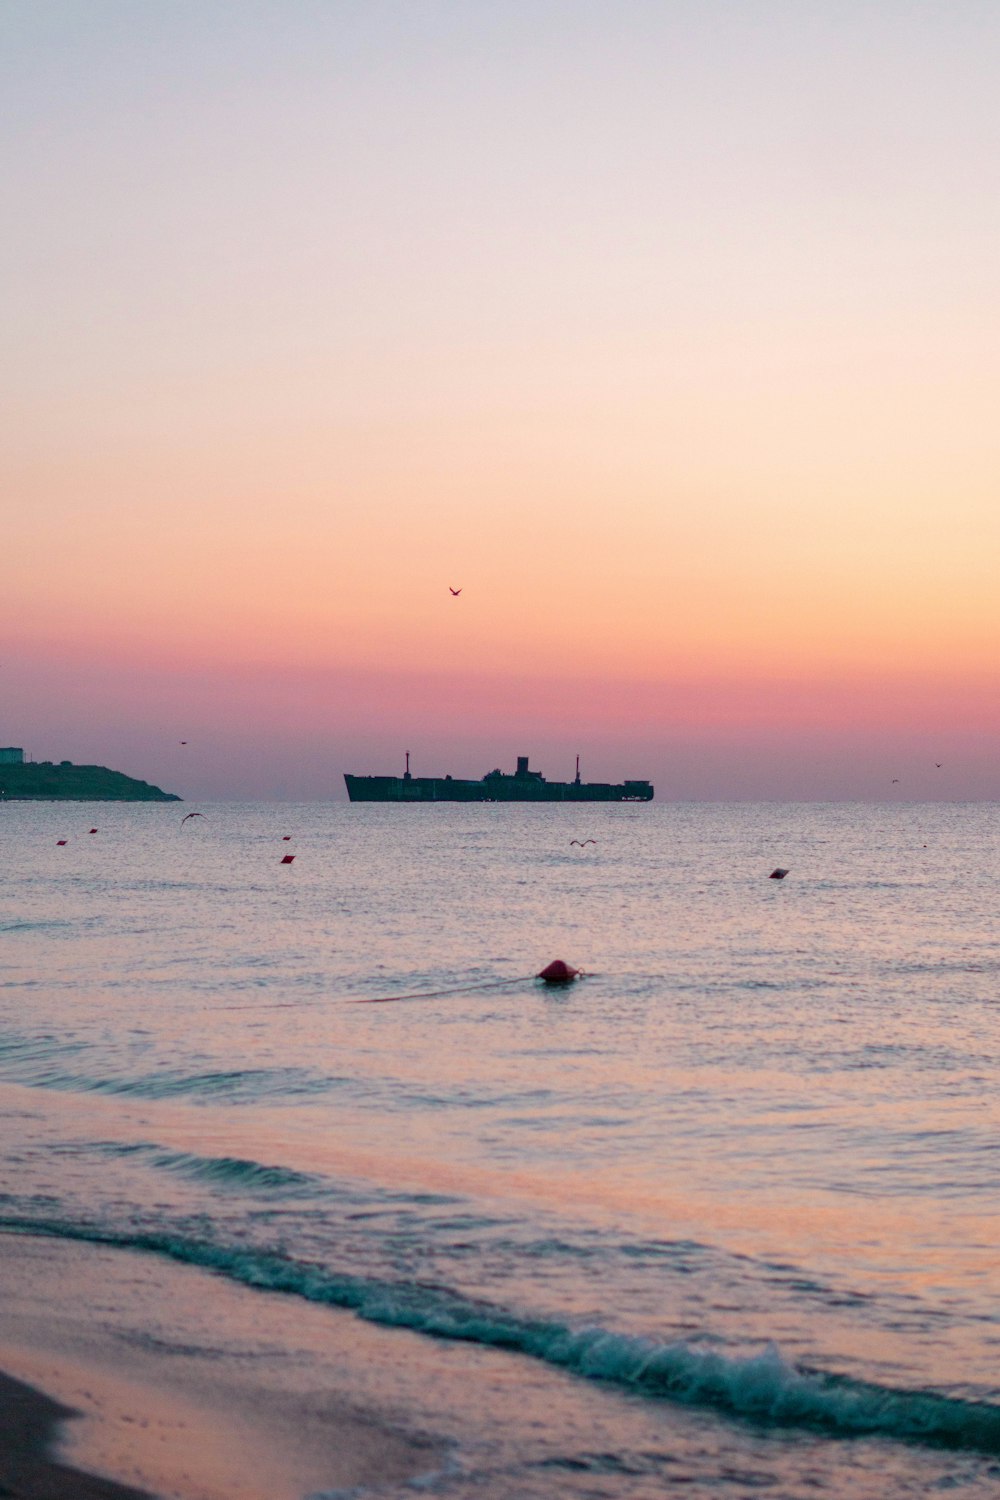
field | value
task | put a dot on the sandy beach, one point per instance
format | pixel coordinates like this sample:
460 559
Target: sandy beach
29 1427
101 1402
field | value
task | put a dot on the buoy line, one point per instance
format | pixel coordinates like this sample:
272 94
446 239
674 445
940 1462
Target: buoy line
457 989
556 973
564 975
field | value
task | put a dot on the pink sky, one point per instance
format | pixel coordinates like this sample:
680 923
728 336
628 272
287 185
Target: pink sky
668 333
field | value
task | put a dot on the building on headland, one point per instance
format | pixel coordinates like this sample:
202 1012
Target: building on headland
45 781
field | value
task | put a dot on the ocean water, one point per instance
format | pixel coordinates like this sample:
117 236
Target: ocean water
726 1206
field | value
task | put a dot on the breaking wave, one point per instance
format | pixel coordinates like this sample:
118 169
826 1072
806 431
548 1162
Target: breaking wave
233 1171
232 1086
763 1387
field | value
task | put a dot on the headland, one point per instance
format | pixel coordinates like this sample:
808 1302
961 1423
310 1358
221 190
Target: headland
47 781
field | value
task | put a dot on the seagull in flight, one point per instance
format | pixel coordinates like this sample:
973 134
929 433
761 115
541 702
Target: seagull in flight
190 815
583 843
454 592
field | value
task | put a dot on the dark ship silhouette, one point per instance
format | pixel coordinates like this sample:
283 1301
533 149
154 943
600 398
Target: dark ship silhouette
495 786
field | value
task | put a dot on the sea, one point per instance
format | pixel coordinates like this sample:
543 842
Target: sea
724 1209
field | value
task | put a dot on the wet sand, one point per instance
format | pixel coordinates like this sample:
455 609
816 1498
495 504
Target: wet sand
29 1424
129 1376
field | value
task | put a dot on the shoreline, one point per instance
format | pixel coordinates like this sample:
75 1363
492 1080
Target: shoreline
124 1377
30 1428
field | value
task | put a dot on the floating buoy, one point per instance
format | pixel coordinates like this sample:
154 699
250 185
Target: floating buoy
286 838
558 972
287 859
92 830
61 841
778 874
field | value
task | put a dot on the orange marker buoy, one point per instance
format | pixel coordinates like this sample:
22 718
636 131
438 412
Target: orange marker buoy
558 972
287 859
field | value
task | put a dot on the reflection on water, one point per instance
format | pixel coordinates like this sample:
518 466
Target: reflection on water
752 1151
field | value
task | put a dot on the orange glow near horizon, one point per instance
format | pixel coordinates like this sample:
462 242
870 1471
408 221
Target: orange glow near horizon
633 593
693 402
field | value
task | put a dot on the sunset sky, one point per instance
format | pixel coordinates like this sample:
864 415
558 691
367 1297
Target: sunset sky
669 332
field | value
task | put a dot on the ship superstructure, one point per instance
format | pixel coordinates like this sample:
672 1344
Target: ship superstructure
521 785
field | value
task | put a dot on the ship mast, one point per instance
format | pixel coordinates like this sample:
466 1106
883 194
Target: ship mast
577 782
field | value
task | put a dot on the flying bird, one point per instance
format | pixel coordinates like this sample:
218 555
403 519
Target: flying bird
190 815
454 592
183 742
939 764
895 781
582 842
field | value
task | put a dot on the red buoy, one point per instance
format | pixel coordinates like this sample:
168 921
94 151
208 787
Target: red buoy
286 838
60 841
558 972
778 874
93 830
287 859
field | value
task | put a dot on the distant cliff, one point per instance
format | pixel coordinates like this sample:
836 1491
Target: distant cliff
43 781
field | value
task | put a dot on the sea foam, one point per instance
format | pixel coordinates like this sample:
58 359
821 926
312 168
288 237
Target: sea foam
764 1386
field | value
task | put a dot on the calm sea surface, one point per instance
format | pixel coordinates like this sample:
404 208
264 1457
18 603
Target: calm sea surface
728 1205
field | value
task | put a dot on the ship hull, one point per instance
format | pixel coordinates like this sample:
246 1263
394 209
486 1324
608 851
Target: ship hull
490 789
